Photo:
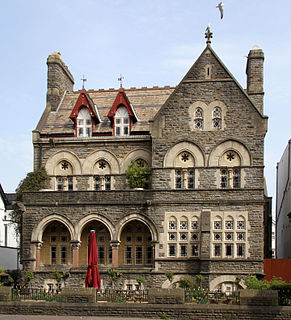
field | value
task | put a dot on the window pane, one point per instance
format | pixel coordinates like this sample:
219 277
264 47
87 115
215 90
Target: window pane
88 132
183 251
190 179
126 120
117 131
228 250
63 255
149 257
236 178
107 182
217 250
70 183
194 250
101 254
109 254
53 255
240 250
178 179
128 255
138 255
172 250
125 131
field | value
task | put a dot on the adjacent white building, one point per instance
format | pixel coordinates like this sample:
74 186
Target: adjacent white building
283 205
9 242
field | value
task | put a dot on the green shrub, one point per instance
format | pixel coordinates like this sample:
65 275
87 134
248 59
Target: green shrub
185 283
137 175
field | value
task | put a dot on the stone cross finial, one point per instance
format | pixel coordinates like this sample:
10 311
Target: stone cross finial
120 79
208 35
84 80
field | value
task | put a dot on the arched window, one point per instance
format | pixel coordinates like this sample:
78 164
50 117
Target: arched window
121 122
84 123
102 175
216 118
64 176
184 172
230 175
198 119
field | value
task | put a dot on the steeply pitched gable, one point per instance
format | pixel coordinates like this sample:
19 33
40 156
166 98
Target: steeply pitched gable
121 99
84 100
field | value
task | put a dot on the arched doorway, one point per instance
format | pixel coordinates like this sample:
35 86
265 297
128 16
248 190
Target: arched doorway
56 247
103 243
135 244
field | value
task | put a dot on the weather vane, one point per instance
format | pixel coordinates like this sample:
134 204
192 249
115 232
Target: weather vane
84 80
208 34
120 79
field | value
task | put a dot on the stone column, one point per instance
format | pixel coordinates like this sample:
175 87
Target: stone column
154 243
115 250
38 246
75 253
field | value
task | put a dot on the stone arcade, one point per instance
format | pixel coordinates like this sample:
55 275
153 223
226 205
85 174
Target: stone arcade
202 212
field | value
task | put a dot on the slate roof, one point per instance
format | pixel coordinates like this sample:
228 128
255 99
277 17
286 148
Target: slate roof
145 102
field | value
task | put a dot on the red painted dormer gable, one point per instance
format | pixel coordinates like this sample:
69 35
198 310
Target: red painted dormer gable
85 101
121 99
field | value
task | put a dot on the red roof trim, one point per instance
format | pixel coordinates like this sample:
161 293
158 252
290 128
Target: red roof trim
121 99
83 101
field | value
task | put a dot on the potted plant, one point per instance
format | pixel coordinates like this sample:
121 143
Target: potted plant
137 175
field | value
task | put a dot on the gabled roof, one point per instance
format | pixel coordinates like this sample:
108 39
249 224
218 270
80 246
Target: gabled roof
223 74
85 100
121 99
146 102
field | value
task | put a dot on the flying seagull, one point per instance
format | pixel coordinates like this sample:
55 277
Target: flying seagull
220 7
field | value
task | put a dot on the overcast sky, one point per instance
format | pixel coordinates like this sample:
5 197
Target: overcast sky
151 42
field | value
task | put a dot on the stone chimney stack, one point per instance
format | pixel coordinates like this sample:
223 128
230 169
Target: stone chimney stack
59 79
255 77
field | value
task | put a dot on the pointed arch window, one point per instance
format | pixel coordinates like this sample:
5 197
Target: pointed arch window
84 123
122 122
216 118
198 119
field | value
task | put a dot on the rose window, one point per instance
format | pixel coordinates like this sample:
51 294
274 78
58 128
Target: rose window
230 156
65 165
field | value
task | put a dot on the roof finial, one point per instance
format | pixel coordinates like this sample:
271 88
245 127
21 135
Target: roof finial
84 80
208 35
120 79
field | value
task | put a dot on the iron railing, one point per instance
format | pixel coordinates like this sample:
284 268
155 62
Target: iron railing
24 293
203 296
112 295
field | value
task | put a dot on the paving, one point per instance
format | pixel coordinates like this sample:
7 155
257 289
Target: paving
39 317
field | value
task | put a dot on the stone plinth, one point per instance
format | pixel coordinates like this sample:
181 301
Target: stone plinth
166 296
78 295
253 297
5 293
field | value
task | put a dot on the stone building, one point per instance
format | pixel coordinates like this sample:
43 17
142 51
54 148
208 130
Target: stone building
202 212
283 205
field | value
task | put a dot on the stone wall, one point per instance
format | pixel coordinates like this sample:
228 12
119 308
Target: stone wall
140 310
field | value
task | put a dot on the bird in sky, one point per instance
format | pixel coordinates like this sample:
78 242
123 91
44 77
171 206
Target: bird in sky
220 7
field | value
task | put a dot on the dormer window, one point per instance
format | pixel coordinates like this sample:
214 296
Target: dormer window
84 123
121 122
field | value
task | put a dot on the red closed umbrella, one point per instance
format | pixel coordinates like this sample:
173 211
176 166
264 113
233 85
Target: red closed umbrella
92 276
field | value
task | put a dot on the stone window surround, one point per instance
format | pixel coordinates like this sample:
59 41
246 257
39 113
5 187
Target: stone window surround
207 115
225 216
178 217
